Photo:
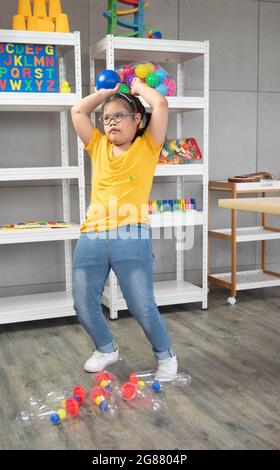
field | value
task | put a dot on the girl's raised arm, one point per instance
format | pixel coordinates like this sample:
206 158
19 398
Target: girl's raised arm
159 120
82 110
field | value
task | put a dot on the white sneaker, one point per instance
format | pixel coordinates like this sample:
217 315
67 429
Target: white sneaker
99 361
167 369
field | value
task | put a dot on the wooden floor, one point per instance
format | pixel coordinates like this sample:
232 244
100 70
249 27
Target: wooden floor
231 352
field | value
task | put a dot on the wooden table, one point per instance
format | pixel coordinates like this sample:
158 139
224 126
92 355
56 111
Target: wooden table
265 205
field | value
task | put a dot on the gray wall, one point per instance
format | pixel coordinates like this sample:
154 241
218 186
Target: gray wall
244 40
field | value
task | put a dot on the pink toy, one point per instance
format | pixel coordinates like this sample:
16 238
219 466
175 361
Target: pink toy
171 86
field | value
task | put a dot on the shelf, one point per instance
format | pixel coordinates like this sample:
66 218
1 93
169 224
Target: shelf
176 219
36 307
265 185
116 51
176 104
181 103
54 304
189 169
39 235
41 173
37 101
246 234
142 49
249 279
166 293
38 37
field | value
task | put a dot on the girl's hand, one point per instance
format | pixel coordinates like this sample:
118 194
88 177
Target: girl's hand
106 92
136 86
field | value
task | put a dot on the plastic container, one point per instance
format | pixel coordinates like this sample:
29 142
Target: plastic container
55 408
104 402
138 395
149 377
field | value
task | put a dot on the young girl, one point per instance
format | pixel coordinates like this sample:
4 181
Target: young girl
116 233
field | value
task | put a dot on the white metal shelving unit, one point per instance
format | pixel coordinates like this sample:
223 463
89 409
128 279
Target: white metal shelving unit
125 50
54 304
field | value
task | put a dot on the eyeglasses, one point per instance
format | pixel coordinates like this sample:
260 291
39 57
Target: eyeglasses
117 117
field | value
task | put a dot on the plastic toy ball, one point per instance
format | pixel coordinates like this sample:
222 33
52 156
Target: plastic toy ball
104 406
107 79
127 69
162 74
152 79
171 86
150 66
124 88
156 386
141 71
54 418
162 89
128 78
99 399
120 74
154 34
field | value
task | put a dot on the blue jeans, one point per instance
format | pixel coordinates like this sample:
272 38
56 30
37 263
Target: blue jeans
128 251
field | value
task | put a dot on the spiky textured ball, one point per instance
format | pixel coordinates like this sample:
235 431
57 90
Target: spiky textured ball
142 71
152 80
162 89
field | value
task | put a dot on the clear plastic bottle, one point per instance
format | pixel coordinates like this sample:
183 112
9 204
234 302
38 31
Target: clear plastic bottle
103 401
55 408
138 395
149 377
106 380
49 413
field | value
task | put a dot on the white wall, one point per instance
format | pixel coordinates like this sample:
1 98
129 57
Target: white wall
244 40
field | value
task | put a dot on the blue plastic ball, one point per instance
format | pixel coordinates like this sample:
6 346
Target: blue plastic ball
156 386
104 406
162 74
107 79
54 418
162 89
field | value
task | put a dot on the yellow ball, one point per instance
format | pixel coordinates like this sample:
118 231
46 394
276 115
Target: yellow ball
104 383
141 71
62 414
141 384
99 399
150 67
63 403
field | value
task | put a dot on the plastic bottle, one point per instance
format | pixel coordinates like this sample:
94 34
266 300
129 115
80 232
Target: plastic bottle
103 400
138 395
149 377
51 413
55 408
105 380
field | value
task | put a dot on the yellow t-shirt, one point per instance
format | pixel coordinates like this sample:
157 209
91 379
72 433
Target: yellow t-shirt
121 184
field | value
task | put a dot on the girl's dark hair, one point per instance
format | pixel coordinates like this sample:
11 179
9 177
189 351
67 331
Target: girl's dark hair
134 105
